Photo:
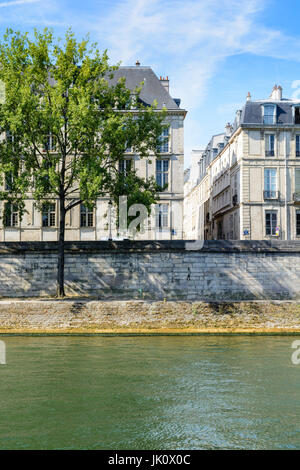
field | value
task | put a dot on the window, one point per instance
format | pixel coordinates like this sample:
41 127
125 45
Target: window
125 166
11 215
164 147
162 170
86 216
48 215
9 137
297 115
297 181
271 222
298 223
162 216
270 183
297 145
9 179
270 145
269 114
49 143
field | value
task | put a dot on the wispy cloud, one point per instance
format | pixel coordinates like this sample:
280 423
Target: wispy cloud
188 40
16 2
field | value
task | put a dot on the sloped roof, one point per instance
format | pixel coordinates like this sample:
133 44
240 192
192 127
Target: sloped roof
152 88
252 113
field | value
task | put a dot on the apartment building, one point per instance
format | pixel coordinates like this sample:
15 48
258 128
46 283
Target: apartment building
99 223
251 182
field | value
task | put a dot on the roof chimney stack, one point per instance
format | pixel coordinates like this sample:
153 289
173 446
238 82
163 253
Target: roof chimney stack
248 97
137 63
276 94
165 82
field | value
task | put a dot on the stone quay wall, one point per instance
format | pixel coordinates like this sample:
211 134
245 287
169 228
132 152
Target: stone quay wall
155 270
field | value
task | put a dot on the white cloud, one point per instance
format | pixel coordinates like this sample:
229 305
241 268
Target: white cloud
16 2
189 40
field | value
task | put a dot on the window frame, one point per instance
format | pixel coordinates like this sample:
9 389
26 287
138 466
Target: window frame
297 144
13 216
268 117
271 151
125 162
272 228
162 216
164 146
270 177
88 214
162 174
297 223
50 214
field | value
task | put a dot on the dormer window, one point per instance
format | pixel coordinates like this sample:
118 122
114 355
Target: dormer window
269 114
297 114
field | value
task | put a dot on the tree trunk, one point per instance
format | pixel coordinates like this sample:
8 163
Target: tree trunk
61 250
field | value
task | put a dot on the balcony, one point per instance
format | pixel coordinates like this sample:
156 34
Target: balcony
269 153
296 197
270 194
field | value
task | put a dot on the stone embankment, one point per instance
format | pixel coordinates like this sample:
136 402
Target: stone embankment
85 316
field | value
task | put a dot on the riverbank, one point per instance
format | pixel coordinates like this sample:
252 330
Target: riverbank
86 316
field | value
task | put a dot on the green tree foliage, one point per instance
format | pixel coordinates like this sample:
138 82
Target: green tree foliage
65 127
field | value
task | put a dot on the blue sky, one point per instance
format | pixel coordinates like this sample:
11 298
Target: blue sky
213 51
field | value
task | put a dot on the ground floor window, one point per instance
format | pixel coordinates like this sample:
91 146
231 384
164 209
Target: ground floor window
86 216
48 215
11 215
162 216
271 222
298 223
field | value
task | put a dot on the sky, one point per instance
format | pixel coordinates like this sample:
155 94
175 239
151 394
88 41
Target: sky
213 51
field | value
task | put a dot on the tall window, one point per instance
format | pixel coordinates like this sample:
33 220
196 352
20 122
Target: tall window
9 179
164 146
270 145
48 215
49 143
271 222
11 215
297 115
125 166
298 223
297 181
297 145
162 171
86 216
270 183
269 114
162 216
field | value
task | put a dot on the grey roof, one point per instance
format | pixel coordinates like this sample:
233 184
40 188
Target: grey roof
252 112
152 88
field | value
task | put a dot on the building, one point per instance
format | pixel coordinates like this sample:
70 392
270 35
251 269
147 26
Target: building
82 224
248 185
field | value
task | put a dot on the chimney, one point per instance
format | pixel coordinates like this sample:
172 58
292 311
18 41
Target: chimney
238 116
137 63
248 97
276 94
228 129
165 82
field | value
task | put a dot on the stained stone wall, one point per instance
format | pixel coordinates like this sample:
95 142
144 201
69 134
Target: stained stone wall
220 270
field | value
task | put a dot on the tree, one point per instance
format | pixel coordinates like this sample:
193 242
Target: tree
66 127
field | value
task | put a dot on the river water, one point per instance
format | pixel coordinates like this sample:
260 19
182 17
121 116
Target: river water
204 392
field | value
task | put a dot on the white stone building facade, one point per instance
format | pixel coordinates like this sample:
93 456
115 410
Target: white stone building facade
251 184
166 221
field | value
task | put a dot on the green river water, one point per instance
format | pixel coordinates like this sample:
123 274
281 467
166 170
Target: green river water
203 392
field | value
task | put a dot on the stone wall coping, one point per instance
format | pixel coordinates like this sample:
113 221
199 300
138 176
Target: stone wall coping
169 246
